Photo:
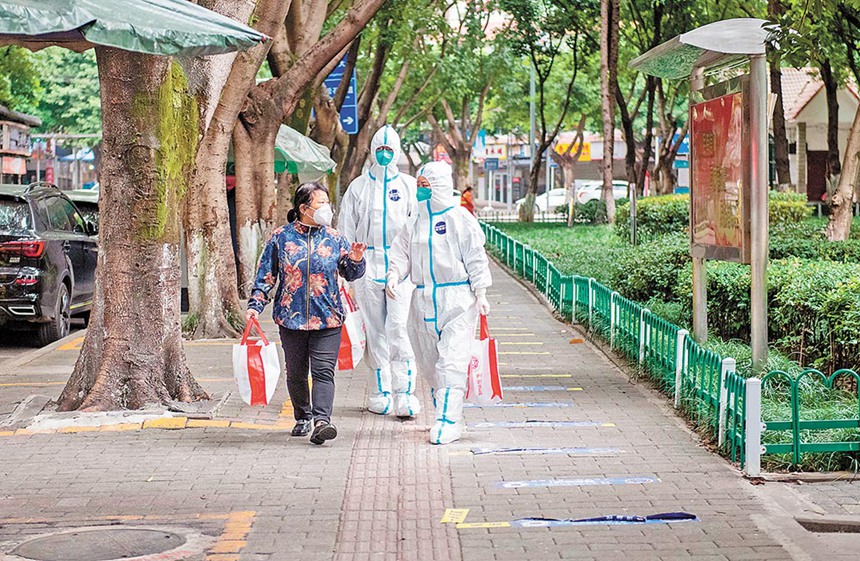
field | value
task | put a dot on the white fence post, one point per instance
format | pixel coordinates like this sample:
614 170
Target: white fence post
728 365
753 426
680 358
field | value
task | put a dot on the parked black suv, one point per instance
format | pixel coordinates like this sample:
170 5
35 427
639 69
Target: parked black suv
48 255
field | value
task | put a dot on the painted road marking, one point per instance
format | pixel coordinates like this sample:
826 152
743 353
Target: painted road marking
73 345
532 353
516 334
454 515
577 482
537 375
521 343
519 405
483 525
530 424
509 328
573 451
541 389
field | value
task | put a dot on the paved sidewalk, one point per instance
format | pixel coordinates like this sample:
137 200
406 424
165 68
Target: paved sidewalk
582 441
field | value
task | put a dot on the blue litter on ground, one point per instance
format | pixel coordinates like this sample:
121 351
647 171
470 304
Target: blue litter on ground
577 482
612 519
533 404
579 451
529 424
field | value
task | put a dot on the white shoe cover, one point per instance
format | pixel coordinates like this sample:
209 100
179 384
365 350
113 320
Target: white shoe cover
445 433
406 405
379 403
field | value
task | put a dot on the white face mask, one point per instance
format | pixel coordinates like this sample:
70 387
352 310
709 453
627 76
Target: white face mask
323 215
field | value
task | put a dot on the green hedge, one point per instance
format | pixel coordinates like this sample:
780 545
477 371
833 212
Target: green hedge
655 216
813 308
668 214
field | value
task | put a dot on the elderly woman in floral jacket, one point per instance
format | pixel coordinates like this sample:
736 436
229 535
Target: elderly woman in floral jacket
306 256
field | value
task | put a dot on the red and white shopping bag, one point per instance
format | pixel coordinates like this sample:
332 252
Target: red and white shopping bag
484 384
256 366
352 339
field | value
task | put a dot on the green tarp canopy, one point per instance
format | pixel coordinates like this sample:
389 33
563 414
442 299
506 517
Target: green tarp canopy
158 27
298 154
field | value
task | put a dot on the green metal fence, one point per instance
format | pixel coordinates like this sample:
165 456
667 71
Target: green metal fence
705 385
680 367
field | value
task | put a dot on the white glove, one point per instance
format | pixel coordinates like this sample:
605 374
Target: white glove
391 284
483 303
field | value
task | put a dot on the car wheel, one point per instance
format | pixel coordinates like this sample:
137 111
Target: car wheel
58 327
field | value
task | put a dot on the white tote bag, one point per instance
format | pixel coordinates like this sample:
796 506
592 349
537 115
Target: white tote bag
484 383
256 367
352 338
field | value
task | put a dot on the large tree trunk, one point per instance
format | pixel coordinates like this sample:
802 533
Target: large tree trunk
833 163
256 205
132 354
780 138
609 71
221 88
841 203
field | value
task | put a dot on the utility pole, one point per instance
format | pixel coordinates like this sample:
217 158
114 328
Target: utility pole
532 115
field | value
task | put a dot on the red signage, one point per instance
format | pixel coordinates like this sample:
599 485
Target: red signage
719 140
49 175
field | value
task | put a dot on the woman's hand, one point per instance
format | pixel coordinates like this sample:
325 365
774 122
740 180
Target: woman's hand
251 314
356 252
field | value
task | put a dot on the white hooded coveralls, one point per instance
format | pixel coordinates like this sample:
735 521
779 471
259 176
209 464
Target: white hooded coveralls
442 251
374 209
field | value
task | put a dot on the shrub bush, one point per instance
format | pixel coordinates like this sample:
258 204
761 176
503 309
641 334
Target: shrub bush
655 216
787 208
671 213
651 270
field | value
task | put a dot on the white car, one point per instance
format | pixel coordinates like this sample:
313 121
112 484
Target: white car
548 202
591 190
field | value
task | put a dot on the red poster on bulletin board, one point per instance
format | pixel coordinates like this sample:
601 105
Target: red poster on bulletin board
719 145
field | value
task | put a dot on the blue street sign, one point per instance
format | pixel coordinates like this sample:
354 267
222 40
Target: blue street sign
681 164
685 144
491 164
349 110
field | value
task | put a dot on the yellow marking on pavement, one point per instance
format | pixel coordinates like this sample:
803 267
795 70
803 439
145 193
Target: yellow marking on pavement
460 453
509 328
467 525
523 353
574 389
7 433
286 409
233 538
521 343
122 427
169 423
454 515
516 335
80 429
537 375
206 423
253 426
73 345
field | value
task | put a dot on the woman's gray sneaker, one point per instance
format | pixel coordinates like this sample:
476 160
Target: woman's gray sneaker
323 431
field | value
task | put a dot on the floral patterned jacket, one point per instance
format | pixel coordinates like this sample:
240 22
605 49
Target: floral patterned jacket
307 296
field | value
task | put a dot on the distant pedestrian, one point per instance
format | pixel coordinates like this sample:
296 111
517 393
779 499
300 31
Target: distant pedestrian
304 258
466 200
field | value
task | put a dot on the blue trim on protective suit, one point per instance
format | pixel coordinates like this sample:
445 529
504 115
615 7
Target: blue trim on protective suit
381 392
444 420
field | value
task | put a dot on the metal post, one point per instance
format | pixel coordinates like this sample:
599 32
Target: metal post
613 319
700 300
728 365
642 337
758 210
590 302
632 194
532 114
680 355
753 426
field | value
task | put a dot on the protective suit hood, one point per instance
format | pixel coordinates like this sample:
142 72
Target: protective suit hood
441 179
386 136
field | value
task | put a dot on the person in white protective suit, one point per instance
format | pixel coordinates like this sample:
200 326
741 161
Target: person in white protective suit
374 209
442 251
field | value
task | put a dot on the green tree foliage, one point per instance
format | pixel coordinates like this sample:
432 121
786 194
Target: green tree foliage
69 101
19 79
